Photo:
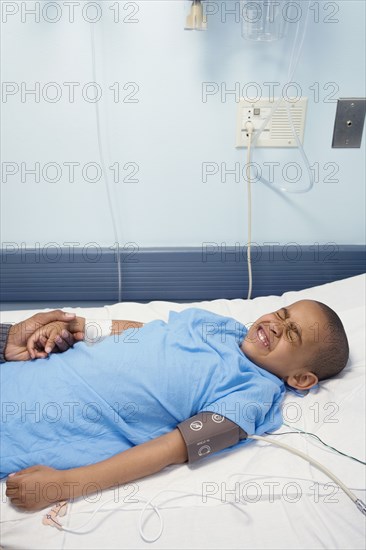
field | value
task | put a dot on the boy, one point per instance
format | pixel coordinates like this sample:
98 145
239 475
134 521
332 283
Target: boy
195 363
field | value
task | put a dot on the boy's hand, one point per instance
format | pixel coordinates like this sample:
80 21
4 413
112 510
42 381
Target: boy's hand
60 335
35 488
16 345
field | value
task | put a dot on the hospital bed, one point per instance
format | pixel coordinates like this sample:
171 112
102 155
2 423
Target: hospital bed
257 496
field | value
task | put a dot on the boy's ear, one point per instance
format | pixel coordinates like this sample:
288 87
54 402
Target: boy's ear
302 381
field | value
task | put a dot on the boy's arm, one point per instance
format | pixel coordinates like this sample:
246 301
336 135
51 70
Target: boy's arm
97 328
78 325
46 338
27 488
120 326
139 461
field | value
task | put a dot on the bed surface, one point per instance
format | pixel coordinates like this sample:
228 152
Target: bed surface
287 502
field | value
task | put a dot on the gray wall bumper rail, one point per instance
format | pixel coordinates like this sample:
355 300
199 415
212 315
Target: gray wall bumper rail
174 274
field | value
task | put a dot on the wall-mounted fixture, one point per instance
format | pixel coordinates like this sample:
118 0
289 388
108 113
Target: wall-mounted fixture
196 19
277 130
349 121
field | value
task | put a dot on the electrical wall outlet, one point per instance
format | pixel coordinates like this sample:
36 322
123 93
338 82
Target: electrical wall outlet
349 121
278 131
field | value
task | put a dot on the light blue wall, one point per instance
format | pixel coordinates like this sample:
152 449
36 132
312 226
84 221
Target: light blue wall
170 131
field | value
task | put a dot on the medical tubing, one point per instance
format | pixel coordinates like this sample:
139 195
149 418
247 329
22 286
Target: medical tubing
102 505
290 75
106 178
291 71
359 503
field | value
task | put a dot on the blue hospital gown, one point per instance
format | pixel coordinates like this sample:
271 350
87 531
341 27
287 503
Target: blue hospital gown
89 403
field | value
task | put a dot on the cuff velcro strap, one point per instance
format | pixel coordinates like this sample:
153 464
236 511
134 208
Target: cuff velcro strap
207 432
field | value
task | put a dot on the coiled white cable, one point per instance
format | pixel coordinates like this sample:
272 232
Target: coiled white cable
104 169
149 502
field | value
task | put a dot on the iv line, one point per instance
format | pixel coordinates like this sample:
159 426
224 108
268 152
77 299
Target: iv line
254 135
290 74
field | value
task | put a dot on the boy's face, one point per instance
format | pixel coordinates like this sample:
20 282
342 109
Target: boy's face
284 342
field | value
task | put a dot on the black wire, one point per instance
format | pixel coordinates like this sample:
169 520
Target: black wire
330 447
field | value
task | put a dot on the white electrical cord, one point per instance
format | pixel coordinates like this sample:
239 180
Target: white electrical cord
104 169
359 503
249 128
290 74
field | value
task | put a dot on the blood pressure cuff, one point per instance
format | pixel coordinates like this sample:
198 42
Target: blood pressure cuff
206 433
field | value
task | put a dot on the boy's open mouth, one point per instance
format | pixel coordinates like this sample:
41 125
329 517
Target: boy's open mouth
263 337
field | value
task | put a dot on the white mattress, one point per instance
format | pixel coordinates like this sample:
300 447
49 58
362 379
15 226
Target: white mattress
289 504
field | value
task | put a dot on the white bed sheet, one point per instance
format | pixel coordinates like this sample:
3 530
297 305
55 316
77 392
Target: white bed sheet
289 504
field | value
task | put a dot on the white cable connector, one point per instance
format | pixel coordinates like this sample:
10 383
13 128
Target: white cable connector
249 126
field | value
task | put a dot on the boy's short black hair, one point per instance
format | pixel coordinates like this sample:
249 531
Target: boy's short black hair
332 354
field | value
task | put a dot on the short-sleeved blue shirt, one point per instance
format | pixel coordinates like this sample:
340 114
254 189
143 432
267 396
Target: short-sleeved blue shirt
89 403
227 382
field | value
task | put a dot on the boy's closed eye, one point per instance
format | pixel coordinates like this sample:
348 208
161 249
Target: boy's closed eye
293 331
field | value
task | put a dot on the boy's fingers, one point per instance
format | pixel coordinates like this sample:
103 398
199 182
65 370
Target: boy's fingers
32 343
36 345
39 355
39 346
42 339
56 337
51 341
13 478
50 345
38 350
